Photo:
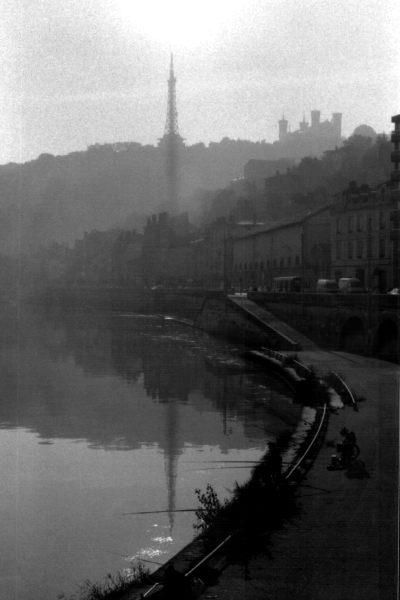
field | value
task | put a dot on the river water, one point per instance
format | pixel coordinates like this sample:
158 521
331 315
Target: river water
104 415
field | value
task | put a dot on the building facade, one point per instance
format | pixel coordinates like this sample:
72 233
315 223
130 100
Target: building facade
298 248
361 244
395 214
261 256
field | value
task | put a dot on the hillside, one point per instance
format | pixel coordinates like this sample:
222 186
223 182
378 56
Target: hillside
306 186
58 198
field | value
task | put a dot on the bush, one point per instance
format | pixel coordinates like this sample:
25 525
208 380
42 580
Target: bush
210 508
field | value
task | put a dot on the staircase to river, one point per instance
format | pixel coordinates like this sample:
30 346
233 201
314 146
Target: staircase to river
299 340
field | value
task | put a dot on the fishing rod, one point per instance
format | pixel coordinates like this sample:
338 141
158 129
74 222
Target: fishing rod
156 512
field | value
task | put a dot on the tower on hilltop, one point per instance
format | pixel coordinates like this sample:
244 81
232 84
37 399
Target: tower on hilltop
171 143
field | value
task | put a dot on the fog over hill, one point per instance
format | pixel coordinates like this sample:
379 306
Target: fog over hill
58 198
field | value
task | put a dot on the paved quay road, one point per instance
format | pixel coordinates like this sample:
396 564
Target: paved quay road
344 542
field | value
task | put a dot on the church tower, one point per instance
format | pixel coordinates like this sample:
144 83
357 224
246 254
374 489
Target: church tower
283 128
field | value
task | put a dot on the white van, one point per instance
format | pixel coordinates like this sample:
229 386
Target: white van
327 286
350 285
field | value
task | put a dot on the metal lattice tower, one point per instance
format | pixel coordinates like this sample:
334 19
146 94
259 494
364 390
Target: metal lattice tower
171 143
171 124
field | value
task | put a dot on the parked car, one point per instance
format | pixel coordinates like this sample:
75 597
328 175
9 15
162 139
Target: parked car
287 284
350 285
327 286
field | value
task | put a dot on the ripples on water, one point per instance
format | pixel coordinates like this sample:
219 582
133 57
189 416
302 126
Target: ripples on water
103 415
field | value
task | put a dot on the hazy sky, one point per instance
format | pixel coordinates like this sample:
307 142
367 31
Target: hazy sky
76 72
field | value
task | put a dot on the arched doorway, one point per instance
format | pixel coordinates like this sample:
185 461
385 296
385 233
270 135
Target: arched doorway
385 343
379 281
352 336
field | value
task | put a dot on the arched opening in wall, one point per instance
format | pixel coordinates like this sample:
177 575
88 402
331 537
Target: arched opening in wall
379 281
352 336
385 344
360 274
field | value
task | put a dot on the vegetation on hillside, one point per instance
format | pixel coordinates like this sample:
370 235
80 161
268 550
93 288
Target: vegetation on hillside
310 184
48 206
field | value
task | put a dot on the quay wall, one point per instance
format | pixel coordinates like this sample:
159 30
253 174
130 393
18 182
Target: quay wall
366 324
363 323
216 313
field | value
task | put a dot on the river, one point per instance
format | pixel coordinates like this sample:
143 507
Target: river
102 415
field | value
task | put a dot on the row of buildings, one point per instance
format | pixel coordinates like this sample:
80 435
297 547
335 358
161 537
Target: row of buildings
352 237
356 235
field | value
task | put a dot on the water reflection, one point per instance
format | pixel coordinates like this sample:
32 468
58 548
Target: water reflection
134 365
132 390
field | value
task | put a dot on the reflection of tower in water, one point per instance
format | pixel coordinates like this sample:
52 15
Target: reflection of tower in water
172 450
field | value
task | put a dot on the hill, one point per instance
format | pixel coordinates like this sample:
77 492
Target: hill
58 198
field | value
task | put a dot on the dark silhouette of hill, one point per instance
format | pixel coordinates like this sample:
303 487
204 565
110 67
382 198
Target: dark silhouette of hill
58 198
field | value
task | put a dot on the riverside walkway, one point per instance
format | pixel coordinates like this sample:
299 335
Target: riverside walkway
344 542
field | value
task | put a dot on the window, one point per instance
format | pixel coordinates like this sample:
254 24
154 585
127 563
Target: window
350 224
338 251
281 262
267 262
359 222
289 261
274 262
350 250
297 259
382 248
338 226
262 265
381 220
359 248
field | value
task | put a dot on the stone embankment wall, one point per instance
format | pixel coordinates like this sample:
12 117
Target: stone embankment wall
223 317
216 313
362 323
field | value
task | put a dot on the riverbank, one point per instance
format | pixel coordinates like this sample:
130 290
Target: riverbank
259 505
343 543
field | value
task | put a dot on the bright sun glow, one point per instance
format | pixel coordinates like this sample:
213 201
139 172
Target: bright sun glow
180 23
